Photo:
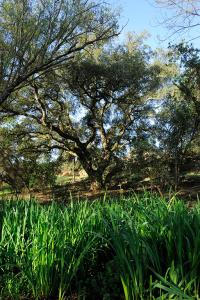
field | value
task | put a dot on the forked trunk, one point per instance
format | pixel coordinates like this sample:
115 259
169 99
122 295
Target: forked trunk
97 182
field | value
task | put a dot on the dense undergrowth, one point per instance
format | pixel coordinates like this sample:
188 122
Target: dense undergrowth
135 248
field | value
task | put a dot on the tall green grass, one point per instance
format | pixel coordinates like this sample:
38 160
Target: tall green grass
142 247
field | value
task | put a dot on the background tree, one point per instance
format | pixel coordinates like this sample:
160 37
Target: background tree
22 165
178 121
181 16
175 131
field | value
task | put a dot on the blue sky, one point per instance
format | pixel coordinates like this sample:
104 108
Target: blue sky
144 15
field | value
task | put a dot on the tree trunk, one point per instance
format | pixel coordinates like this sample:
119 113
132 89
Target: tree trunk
176 173
97 176
73 169
96 181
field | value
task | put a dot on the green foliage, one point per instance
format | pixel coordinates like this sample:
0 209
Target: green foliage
22 165
37 36
148 244
42 174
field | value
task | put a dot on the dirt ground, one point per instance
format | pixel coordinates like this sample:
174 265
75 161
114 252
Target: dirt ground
189 190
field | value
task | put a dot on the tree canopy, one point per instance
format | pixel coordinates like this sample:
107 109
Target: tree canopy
39 36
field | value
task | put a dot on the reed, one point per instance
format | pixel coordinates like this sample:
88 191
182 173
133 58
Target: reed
142 247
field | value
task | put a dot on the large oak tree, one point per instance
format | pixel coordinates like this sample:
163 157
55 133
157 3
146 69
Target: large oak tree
91 108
